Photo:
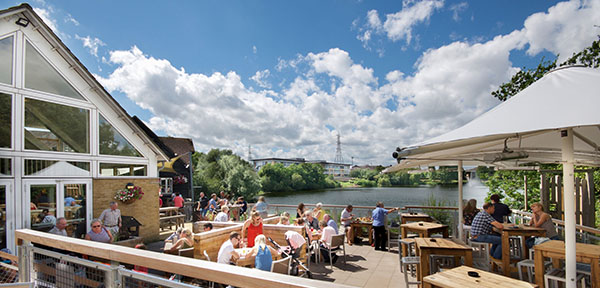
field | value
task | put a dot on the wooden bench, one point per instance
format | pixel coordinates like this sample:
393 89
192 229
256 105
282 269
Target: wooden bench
168 221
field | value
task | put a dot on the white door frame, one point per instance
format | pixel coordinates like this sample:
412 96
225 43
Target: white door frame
60 196
10 212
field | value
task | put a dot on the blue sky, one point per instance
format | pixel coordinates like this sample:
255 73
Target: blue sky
286 76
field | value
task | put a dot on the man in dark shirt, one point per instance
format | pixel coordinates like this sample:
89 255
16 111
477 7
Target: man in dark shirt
202 206
500 209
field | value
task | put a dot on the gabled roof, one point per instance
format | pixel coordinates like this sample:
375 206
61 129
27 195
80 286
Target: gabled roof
179 146
27 11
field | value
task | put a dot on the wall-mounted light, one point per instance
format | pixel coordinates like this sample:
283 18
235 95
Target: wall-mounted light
129 185
22 22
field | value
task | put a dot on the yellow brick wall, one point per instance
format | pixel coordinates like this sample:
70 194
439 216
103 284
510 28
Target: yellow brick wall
144 210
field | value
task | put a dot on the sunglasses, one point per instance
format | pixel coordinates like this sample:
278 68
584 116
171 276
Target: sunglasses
95 226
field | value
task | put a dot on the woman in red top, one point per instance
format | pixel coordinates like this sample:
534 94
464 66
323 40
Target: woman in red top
254 226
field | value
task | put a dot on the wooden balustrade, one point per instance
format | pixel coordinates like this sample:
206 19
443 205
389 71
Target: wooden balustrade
195 268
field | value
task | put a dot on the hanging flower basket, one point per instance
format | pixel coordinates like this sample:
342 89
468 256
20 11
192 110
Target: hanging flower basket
129 195
180 179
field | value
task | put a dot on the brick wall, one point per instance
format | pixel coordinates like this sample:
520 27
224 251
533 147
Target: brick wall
144 210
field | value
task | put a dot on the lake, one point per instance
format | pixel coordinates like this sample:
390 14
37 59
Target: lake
391 196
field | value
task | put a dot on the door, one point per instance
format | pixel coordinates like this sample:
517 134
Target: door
51 199
7 226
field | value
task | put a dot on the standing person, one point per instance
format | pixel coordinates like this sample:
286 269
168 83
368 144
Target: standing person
481 230
223 199
261 207
541 219
223 216
262 253
469 212
99 233
325 241
111 218
227 252
346 219
178 200
500 209
254 226
244 208
202 207
59 228
318 212
300 210
212 203
379 225
331 223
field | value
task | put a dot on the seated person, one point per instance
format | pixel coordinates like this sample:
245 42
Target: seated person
481 230
469 212
500 209
241 201
284 220
346 219
325 241
541 219
175 236
212 203
331 223
185 241
59 227
99 233
263 253
300 222
207 227
311 221
70 201
295 239
227 254
252 228
223 216
318 212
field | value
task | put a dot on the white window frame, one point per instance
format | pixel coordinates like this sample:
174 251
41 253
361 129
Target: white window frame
10 212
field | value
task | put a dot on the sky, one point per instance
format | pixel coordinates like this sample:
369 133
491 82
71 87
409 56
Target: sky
286 77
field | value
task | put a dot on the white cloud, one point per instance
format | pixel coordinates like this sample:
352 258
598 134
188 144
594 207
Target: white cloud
70 19
450 86
457 9
259 78
254 49
91 43
567 27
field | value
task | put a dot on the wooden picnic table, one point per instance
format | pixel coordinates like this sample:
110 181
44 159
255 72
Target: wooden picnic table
359 225
514 230
459 278
555 249
169 211
424 229
414 217
440 246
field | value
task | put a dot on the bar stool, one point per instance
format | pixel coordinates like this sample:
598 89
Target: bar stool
410 244
437 262
408 263
481 255
555 275
530 266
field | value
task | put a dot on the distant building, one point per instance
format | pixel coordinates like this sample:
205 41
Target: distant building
330 168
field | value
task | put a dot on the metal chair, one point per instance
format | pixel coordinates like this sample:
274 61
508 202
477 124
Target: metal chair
481 255
282 265
530 266
516 249
439 262
337 241
409 262
409 243
392 237
555 275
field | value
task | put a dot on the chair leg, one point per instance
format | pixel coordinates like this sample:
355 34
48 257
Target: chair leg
330 260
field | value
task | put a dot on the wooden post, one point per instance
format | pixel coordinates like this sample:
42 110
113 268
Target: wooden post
560 207
589 197
578 200
525 192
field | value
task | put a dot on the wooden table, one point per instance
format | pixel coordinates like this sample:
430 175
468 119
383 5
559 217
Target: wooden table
555 249
459 278
414 217
360 225
169 211
248 261
439 246
424 229
513 230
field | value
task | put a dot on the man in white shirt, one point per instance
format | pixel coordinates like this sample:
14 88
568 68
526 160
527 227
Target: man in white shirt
223 216
227 251
346 219
325 241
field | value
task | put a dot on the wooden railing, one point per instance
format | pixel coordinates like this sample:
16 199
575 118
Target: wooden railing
195 268
582 228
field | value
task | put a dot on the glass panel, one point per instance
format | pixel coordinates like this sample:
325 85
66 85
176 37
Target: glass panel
3 216
40 75
6 58
55 127
43 206
34 167
75 209
5 167
5 120
112 169
112 142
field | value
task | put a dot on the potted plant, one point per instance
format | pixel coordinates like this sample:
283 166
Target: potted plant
129 194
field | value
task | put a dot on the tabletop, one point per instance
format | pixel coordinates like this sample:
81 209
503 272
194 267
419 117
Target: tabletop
423 225
459 278
441 243
555 249
413 215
